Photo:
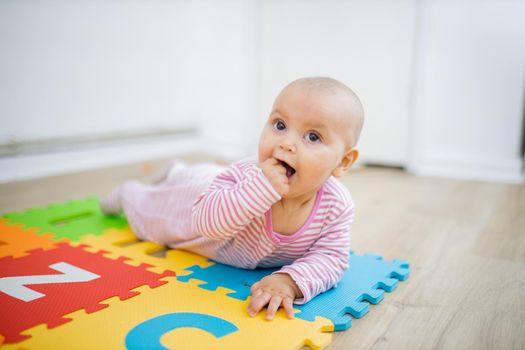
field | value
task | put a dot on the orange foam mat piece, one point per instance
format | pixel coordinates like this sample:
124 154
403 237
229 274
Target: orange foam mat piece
16 241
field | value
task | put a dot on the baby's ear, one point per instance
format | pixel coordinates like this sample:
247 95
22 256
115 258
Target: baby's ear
349 158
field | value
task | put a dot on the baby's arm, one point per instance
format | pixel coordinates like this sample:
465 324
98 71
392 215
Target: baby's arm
323 265
237 196
274 290
317 271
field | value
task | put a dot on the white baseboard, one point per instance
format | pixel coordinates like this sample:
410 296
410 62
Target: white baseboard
26 167
32 166
469 167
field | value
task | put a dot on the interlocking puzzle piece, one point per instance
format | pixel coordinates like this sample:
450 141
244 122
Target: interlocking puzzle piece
220 275
70 220
16 241
148 334
118 326
122 242
361 281
33 292
366 278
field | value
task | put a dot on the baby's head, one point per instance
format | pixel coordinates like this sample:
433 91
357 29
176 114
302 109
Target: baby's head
312 130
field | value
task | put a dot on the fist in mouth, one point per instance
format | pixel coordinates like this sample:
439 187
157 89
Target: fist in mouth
278 173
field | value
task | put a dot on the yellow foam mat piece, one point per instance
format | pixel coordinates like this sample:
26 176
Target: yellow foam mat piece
122 242
108 328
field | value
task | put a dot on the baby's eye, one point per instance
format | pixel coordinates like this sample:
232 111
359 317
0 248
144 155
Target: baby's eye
313 137
279 125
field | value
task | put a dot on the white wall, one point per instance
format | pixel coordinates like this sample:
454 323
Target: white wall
442 81
470 88
223 57
369 45
72 67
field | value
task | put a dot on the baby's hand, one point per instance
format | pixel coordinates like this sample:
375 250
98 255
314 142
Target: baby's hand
274 290
276 174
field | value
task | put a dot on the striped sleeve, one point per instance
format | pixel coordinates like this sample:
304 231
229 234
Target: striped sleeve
323 265
236 196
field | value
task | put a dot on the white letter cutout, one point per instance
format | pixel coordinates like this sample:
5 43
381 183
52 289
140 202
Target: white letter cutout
15 286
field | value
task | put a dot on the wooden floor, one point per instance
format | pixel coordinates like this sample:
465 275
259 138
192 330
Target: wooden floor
465 242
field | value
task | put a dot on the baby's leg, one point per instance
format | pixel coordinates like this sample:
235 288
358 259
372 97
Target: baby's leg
111 203
118 202
170 171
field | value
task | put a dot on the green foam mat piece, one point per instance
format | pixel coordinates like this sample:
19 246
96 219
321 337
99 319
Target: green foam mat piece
70 220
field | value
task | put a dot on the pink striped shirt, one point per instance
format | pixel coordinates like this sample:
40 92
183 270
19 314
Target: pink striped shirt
225 215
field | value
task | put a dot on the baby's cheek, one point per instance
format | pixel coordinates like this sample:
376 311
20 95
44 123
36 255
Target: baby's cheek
318 173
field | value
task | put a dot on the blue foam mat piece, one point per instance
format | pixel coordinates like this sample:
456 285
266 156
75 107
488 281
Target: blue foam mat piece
220 275
364 282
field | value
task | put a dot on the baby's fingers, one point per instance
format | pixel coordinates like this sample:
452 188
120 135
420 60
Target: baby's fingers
255 287
258 301
275 302
288 307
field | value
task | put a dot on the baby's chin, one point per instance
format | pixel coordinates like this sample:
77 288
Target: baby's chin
296 192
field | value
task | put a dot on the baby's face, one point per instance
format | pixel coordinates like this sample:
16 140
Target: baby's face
307 132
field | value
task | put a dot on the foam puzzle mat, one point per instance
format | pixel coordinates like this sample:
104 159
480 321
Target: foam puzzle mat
73 278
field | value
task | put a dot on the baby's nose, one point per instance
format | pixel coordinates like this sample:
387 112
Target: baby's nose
287 146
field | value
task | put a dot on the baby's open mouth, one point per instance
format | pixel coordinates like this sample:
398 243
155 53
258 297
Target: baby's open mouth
289 170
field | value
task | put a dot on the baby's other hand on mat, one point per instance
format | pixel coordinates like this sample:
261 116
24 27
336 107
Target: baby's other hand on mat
275 291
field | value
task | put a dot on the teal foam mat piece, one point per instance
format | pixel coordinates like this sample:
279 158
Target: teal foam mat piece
364 282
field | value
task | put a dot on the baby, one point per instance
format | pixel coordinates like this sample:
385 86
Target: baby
284 209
